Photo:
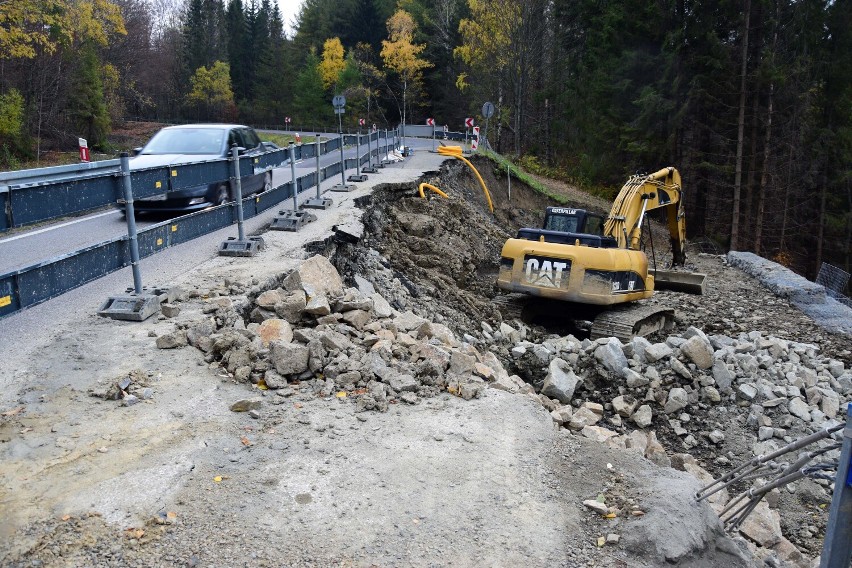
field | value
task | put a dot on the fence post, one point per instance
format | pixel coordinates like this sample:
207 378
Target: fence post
242 246
837 547
319 145
131 223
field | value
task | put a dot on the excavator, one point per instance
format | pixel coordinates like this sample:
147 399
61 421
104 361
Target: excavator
595 264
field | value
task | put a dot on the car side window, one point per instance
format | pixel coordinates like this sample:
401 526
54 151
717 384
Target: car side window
250 137
234 138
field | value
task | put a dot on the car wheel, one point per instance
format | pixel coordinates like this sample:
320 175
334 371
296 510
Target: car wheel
267 181
222 195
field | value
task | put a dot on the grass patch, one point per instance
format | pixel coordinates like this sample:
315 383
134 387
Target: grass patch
519 174
283 140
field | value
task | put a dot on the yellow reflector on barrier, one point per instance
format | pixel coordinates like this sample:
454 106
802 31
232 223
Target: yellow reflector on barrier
5 301
174 228
174 173
158 185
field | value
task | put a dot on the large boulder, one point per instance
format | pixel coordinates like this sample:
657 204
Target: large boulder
315 276
698 350
611 355
560 382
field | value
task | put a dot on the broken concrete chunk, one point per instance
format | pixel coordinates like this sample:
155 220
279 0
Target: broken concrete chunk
315 276
275 330
172 340
246 404
289 358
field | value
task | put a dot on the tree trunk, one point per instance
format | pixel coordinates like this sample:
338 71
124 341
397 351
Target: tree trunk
738 176
761 195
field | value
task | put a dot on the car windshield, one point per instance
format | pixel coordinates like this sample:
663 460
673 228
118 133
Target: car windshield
187 141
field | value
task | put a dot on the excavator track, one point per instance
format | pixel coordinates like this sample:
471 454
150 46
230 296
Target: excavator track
626 322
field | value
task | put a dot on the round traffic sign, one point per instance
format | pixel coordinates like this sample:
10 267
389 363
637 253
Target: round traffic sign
338 101
488 110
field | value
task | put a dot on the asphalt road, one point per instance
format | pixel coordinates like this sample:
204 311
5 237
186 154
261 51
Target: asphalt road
64 236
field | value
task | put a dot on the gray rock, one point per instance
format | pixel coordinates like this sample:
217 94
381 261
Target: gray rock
289 358
560 382
836 368
800 409
698 350
643 416
677 400
657 351
357 318
268 299
364 286
639 344
315 276
765 433
612 356
291 306
518 352
634 379
722 375
747 391
624 405
680 368
169 310
172 340
596 506
318 306
403 383
716 436
583 417
381 307
711 394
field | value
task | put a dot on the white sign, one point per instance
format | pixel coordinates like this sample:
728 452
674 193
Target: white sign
468 122
476 131
287 119
545 273
474 144
362 122
430 122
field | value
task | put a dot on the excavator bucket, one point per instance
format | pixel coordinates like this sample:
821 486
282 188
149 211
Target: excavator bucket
679 281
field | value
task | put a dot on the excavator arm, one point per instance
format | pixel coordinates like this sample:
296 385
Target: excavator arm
642 194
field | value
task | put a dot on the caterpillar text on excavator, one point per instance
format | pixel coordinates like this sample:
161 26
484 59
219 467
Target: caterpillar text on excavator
596 265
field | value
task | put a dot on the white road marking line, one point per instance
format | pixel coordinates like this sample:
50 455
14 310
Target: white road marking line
59 226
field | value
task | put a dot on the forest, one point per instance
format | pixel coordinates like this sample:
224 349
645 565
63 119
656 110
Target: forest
750 99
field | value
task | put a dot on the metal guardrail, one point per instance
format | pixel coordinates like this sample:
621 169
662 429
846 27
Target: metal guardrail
37 283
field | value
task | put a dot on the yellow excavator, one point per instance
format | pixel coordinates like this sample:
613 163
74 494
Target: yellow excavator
596 263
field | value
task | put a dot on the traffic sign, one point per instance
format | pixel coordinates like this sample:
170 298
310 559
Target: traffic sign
287 119
361 122
430 122
476 131
339 101
468 122
488 110
474 143
84 150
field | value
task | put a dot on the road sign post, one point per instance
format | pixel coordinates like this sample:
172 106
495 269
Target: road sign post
294 219
84 150
339 103
431 122
487 112
468 124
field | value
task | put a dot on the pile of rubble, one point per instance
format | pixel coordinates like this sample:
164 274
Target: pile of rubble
348 340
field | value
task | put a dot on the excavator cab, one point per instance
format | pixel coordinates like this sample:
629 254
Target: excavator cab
568 225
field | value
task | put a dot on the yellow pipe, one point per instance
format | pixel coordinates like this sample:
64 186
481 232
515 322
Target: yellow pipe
456 152
432 188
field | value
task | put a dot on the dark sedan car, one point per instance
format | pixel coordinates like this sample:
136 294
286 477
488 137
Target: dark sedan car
177 145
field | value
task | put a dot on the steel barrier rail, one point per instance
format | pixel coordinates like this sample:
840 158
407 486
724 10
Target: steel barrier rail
34 284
